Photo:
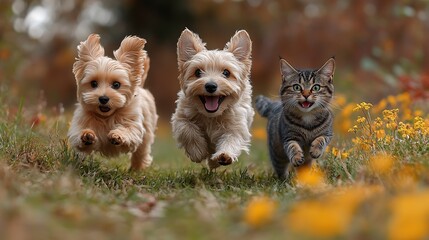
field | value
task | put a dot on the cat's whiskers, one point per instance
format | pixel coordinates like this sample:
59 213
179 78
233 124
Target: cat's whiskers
300 125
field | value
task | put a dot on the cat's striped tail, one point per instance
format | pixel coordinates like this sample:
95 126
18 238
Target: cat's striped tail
264 106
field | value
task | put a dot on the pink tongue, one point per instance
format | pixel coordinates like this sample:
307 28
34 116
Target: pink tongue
212 102
306 104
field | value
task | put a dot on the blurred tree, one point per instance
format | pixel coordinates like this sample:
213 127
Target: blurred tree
156 20
375 42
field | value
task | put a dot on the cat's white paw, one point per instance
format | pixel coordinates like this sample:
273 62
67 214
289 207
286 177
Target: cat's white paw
298 159
315 152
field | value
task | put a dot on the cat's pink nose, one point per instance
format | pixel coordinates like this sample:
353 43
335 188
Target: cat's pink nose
306 93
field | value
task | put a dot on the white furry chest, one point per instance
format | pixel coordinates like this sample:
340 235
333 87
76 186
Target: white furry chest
308 118
213 128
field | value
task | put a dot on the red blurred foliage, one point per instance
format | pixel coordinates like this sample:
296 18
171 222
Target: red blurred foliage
418 87
392 34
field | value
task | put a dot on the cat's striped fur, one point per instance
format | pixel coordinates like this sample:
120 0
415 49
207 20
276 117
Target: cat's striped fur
300 125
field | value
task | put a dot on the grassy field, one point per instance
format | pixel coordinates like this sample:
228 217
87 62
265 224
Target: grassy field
372 183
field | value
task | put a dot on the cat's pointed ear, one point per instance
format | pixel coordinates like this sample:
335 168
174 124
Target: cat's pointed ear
240 45
328 69
286 69
188 45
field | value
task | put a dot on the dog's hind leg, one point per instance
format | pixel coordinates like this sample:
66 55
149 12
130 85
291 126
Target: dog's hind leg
142 158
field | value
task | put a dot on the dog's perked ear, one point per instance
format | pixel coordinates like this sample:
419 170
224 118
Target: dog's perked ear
132 56
87 51
240 45
188 45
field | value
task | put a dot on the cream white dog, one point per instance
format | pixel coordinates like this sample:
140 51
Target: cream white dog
114 113
214 110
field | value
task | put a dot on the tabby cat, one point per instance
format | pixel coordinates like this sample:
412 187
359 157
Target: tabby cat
300 125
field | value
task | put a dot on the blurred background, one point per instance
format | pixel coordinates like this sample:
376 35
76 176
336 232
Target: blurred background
381 47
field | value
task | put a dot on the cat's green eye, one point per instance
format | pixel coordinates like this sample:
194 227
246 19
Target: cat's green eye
315 88
296 87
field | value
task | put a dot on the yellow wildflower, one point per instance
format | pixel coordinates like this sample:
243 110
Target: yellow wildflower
392 100
380 106
259 211
378 123
343 126
404 98
348 199
353 129
381 163
388 139
360 119
406 177
317 218
406 114
380 134
348 110
410 214
335 151
310 176
331 215
406 130
391 125
420 126
361 144
390 115
342 154
362 106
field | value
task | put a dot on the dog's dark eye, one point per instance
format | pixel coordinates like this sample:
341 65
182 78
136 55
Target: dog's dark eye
94 84
116 85
226 73
198 73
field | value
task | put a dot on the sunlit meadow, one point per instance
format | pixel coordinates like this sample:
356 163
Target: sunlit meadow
372 183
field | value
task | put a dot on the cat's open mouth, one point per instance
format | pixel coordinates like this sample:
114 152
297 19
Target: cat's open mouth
104 108
306 104
212 103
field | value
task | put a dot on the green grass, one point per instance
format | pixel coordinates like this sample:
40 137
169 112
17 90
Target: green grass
47 191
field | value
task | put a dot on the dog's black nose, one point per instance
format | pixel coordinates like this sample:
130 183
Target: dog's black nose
103 99
211 87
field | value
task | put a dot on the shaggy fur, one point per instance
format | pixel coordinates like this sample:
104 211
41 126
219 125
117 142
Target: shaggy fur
214 110
114 113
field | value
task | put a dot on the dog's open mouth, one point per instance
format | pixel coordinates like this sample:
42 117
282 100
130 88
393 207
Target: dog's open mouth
104 108
212 103
306 104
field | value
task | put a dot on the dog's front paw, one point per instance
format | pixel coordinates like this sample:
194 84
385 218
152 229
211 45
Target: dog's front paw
88 137
298 159
115 138
223 159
